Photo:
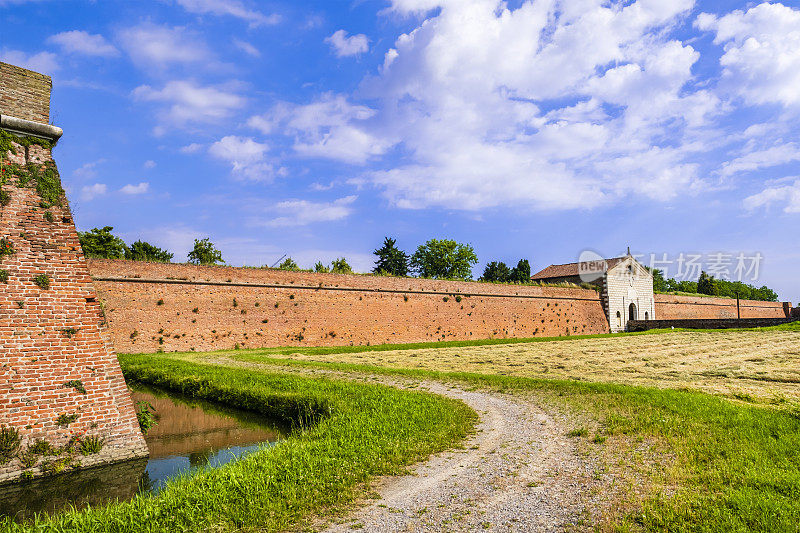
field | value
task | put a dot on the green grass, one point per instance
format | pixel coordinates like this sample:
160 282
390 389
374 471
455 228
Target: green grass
731 467
350 433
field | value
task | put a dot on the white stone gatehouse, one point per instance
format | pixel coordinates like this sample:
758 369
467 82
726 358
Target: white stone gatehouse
625 285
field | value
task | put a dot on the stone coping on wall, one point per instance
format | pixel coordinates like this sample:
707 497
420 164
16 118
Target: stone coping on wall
21 126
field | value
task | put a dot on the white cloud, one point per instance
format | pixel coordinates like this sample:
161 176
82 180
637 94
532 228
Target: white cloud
87 171
548 105
762 52
135 189
247 48
84 43
189 102
247 158
345 46
330 128
159 46
191 148
233 8
769 157
43 62
89 192
304 212
149 164
787 195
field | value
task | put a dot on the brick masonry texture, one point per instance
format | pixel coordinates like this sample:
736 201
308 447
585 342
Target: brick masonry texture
179 307
24 94
198 312
670 307
49 337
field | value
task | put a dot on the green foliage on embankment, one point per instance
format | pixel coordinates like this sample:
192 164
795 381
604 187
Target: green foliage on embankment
352 432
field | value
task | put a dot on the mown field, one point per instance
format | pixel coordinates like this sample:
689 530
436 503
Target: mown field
761 365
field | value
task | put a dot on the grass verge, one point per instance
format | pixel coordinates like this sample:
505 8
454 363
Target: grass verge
730 467
352 432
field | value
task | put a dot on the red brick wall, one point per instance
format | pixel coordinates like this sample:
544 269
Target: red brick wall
49 337
322 309
670 307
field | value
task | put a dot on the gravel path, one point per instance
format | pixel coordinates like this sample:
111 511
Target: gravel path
519 472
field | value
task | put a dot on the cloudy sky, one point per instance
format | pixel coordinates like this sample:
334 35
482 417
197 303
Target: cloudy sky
528 128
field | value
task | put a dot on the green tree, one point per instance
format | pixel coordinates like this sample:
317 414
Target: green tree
522 272
100 242
707 284
319 267
659 283
144 251
444 259
341 266
391 259
205 253
289 264
496 272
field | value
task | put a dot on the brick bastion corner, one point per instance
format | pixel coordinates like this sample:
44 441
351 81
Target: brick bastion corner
59 377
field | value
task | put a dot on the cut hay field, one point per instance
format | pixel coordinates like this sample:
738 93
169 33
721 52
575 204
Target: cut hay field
761 364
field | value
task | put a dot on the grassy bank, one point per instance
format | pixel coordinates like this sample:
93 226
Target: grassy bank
352 432
721 465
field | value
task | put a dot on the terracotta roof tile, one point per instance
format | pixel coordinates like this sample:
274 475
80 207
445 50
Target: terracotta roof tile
567 270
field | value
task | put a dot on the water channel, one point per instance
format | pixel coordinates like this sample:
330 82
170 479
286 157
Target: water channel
190 435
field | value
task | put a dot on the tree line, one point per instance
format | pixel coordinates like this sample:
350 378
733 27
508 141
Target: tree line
435 259
711 286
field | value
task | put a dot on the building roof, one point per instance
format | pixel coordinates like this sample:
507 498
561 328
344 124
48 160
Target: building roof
568 270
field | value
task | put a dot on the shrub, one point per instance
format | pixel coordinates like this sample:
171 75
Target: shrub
65 419
91 445
100 242
391 259
341 266
48 216
41 447
144 251
145 414
77 385
28 458
43 281
205 253
6 248
9 443
319 267
289 264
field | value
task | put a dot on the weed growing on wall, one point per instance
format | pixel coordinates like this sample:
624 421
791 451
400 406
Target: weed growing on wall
9 443
65 419
91 445
6 248
5 198
42 281
77 385
146 415
3 276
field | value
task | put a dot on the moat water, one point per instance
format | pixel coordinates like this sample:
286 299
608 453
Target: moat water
190 435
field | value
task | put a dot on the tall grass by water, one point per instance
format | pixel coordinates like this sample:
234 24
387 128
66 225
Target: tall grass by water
346 434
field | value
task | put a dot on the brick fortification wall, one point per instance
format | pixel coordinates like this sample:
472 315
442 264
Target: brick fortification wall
24 94
208 308
671 307
50 336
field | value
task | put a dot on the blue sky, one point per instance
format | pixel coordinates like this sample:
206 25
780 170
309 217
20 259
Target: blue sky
532 129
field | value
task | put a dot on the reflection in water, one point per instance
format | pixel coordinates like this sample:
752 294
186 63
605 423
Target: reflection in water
190 434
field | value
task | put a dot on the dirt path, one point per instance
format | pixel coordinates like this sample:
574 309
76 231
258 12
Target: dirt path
519 472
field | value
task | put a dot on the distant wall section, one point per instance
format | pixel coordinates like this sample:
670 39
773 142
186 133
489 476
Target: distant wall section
177 307
671 307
